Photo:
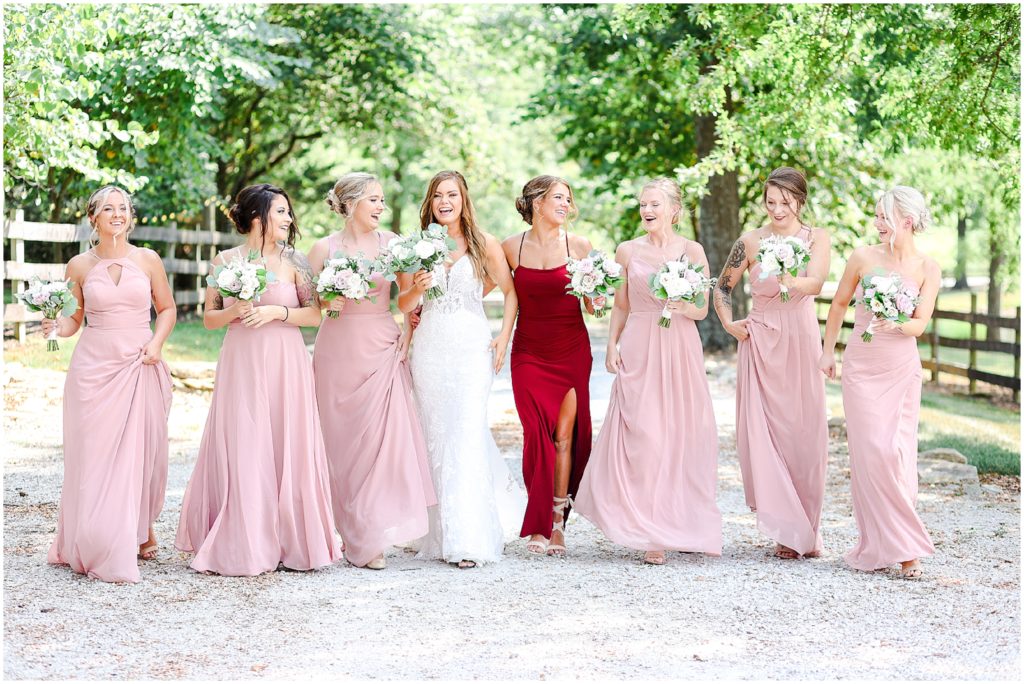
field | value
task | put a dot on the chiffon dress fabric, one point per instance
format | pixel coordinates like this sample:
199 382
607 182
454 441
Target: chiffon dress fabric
479 505
550 356
653 474
781 425
260 495
380 480
115 430
881 383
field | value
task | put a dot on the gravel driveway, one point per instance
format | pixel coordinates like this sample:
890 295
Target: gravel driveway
598 614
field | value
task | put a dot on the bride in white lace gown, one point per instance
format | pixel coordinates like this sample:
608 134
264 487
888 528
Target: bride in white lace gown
453 364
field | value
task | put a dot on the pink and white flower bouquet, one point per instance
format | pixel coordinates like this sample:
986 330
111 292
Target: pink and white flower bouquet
593 276
888 298
346 276
779 255
425 251
52 299
245 279
680 281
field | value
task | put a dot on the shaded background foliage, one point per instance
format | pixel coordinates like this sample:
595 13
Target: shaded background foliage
188 103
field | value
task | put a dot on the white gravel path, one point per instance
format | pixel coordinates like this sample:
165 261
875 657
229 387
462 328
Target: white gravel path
599 614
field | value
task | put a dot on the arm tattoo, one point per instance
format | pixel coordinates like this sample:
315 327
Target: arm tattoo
303 278
218 302
723 294
737 257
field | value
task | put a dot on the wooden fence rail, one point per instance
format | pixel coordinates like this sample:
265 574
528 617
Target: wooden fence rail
972 344
186 276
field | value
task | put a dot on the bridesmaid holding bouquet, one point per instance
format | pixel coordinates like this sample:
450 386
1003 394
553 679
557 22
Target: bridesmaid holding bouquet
259 496
117 396
781 428
651 481
380 480
551 361
882 382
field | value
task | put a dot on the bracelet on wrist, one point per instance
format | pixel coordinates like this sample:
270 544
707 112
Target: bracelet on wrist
286 312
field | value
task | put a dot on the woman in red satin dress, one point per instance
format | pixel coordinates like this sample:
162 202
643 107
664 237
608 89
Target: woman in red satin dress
551 361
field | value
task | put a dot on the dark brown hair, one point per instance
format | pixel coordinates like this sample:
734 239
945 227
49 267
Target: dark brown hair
476 244
790 181
253 203
538 188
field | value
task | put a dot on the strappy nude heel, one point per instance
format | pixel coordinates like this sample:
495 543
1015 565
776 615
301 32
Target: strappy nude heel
558 550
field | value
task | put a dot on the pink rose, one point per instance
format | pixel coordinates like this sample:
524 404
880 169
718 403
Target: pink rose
692 276
904 303
869 293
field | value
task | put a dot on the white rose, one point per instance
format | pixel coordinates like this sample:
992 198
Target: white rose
425 249
769 263
883 284
228 280
588 282
876 306
613 268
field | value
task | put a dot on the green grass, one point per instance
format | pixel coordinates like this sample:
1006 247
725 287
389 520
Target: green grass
189 341
989 436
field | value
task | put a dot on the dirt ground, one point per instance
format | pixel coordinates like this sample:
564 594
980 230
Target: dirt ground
598 614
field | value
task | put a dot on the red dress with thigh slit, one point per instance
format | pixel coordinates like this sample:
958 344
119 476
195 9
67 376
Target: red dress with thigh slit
550 356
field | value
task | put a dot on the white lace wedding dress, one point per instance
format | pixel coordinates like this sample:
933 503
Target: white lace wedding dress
479 504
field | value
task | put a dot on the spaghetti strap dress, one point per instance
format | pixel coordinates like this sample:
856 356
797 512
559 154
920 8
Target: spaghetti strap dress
781 428
376 456
550 356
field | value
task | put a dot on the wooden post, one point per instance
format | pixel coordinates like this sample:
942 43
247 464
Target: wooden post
18 286
84 230
972 353
935 348
1016 358
170 252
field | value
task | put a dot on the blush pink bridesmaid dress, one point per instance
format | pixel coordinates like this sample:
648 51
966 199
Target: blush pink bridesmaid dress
652 476
259 495
781 428
380 480
115 430
881 397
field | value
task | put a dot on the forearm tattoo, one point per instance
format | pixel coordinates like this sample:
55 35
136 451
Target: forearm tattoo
303 278
737 257
218 302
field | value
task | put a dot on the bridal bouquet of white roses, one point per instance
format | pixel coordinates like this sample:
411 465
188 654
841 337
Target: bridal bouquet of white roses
426 251
593 276
779 255
346 276
245 279
52 299
887 297
680 281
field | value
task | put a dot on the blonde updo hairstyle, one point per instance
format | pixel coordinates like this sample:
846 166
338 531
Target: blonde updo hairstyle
909 203
96 201
349 189
672 193
537 189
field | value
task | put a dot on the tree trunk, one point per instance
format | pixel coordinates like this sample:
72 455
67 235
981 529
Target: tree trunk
396 210
995 287
719 226
961 254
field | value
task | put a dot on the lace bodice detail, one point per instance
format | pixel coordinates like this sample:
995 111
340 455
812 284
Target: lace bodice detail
462 290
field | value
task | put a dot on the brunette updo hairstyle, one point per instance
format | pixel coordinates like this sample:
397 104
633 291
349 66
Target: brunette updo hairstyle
253 203
790 181
538 188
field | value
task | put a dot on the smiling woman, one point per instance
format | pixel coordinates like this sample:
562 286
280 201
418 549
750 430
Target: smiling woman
259 496
117 396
